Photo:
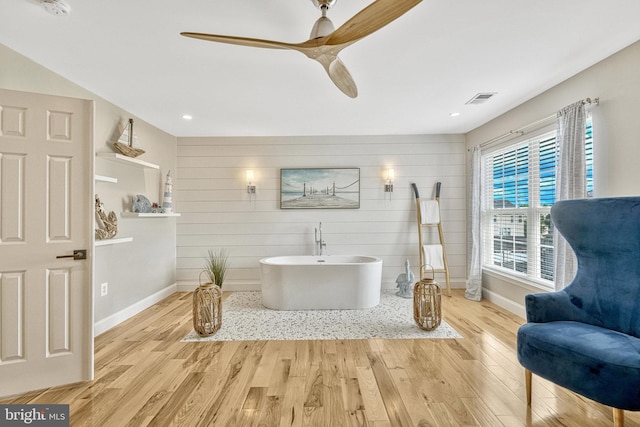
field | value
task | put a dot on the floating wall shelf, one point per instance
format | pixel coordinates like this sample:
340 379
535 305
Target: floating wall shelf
107 242
148 215
121 158
103 178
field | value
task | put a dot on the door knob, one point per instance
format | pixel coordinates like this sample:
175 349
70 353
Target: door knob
77 254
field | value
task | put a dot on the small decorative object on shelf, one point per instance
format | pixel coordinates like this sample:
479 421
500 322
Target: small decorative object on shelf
427 310
404 281
141 204
207 308
125 143
109 222
167 204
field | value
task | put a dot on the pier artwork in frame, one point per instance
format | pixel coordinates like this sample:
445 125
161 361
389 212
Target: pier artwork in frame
318 188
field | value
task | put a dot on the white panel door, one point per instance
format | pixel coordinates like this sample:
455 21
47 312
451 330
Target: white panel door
46 211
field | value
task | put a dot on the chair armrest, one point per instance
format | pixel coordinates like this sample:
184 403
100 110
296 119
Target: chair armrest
548 307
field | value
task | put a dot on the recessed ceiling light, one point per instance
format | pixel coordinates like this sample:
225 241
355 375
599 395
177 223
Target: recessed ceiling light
454 114
187 116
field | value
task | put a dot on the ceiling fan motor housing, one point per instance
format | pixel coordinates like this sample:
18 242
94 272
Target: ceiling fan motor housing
322 27
324 3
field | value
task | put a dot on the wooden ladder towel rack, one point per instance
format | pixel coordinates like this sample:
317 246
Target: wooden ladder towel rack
436 253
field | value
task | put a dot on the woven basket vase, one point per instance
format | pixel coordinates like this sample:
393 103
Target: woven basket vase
427 307
207 308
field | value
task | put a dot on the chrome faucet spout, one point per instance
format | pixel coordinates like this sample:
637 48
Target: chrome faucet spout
320 243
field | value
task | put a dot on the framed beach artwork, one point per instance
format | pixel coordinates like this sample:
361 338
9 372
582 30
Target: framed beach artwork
318 188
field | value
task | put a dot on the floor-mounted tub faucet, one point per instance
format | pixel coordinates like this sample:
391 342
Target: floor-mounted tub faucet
319 242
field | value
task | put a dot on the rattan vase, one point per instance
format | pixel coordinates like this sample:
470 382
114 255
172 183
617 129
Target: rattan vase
207 308
427 309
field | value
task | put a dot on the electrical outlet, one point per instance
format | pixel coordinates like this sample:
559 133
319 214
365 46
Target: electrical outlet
104 289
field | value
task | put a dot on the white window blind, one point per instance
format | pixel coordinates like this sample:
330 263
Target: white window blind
518 189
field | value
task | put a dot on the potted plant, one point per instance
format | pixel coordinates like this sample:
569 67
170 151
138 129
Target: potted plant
216 266
207 298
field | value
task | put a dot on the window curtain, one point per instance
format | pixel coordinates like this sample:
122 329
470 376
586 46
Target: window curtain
474 282
570 182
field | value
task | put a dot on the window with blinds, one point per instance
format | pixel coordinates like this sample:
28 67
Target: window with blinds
518 189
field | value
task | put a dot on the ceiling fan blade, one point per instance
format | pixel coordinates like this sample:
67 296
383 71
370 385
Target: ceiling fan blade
342 78
370 19
339 74
243 41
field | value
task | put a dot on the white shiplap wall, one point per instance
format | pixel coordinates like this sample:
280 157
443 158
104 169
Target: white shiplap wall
210 193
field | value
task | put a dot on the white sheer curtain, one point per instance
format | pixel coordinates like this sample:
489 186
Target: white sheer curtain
474 282
570 181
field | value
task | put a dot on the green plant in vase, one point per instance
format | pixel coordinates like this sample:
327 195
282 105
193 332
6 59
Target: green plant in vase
217 264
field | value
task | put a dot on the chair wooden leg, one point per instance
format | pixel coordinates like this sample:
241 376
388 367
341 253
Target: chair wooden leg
618 417
527 379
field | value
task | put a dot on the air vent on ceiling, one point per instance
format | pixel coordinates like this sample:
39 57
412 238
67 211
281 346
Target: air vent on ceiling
480 98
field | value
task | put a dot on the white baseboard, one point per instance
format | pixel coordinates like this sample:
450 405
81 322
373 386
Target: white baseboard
507 304
242 286
229 285
119 317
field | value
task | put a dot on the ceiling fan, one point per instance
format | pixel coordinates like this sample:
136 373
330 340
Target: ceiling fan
326 42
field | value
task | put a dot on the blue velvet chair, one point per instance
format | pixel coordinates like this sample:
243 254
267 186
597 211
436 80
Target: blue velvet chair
586 337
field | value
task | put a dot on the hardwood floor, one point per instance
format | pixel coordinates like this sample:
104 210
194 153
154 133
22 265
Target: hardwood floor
146 376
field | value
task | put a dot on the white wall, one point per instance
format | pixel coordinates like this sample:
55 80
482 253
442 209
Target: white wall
216 212
135 271
616 82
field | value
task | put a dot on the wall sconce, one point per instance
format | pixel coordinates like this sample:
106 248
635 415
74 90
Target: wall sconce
251 189
388 187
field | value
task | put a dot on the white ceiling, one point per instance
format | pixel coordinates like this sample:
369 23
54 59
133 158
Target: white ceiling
410 74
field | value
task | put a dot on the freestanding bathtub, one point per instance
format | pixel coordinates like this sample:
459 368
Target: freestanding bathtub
321 282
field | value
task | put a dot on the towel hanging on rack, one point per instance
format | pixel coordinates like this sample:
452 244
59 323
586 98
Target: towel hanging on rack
430 211
433 256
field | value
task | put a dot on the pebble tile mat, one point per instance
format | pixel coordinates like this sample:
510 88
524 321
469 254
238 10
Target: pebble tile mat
244 318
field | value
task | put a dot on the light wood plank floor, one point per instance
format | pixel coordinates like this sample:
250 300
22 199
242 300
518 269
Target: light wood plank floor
146 376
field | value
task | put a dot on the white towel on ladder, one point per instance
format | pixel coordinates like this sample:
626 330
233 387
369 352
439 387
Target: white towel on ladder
433 256
430 211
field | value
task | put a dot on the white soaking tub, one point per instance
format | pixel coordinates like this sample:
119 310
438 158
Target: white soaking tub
331 282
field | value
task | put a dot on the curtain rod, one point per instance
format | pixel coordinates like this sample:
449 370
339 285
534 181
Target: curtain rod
520 131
